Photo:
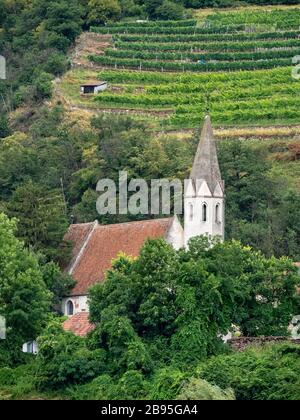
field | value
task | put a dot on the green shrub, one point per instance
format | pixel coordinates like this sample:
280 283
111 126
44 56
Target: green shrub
101 388
132 386
268 373
64 359
170 11
7 377
18 382
167 383
198 389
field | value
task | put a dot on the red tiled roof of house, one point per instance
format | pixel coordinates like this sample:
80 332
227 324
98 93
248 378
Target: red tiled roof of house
79 324
95 246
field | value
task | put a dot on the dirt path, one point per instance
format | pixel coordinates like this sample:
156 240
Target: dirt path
89 43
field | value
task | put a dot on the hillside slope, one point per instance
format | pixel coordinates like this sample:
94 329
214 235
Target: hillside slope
235 64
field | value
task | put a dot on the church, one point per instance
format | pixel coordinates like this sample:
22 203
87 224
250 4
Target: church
95 245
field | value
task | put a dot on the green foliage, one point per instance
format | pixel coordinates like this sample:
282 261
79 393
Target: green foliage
210 47
198 389
35 36
56 281
4 128
64 359
270 373
24 298
43 85
260 208
102 11
42 219
187 299
188 66
20 381
170 10
167 383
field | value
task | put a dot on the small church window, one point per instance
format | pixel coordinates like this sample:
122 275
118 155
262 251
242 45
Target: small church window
191 212
218 213
204 213
70 308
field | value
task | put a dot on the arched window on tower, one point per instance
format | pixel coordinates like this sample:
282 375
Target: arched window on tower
191 212
218 220
70 308
204 213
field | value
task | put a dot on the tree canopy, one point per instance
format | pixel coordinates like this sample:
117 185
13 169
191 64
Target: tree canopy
177 304
24 297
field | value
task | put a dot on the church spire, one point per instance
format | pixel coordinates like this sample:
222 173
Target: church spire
204 201
206 164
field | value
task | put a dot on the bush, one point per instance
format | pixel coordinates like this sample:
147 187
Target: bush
56 64
167 383
101 388
18 382
197 389
269 373
65 360
43 86
170 11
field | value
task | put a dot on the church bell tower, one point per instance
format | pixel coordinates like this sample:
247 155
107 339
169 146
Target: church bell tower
204 200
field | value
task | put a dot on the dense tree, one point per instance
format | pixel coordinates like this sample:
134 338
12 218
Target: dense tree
58 283
64 359
63 163
35 37
179 302
269 373
102 11
42 218
260 209
170 11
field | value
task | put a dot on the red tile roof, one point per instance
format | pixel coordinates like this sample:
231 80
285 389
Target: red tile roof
79 324
95 246
77 234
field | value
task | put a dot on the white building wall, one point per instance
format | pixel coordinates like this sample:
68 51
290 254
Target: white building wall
175 236
101 88
194 225
80 304
30 347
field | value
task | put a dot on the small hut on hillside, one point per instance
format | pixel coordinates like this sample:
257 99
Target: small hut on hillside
93 87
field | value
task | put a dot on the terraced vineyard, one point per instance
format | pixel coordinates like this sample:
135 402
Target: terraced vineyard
237 65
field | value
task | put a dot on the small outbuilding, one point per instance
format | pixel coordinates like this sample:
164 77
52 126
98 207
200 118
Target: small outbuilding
93 87
31 347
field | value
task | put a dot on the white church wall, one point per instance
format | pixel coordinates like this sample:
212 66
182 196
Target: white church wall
194 225
80 304
175 236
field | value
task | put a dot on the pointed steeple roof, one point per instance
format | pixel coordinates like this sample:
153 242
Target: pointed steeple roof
206 164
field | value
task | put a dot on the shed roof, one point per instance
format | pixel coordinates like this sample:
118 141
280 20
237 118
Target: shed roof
94 83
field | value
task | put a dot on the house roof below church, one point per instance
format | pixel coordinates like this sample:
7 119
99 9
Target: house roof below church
95 246
79 324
